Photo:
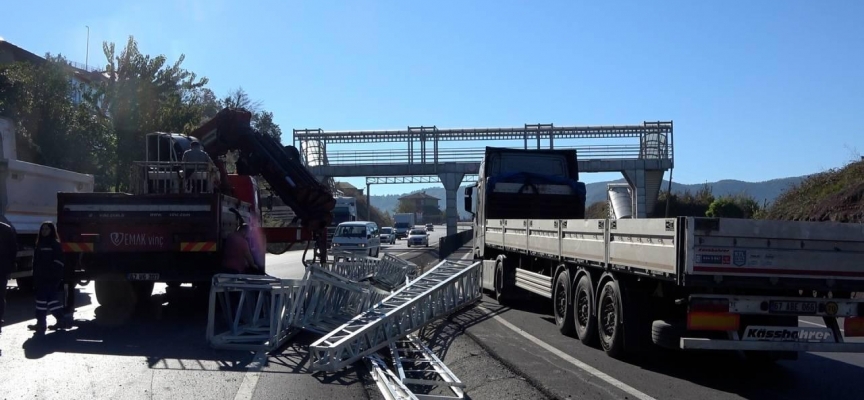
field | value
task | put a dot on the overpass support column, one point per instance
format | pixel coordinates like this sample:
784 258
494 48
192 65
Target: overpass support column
451 181
636 179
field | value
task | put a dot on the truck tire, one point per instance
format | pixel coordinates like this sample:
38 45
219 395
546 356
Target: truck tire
122 294
503 291
667 334
115 294
583 309
609 326
562 306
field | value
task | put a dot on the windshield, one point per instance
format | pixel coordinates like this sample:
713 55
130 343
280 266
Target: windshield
386 231
418 232
351 231
402 225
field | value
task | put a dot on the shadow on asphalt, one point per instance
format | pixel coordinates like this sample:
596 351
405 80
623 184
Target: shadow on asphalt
21 305
811 376
169 332
294 357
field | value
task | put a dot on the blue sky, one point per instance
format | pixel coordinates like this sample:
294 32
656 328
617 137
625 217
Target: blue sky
757 90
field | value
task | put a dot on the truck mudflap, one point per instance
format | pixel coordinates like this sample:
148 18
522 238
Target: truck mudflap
723 313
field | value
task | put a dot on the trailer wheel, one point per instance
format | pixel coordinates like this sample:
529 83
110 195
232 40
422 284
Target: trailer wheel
610 328
561 304
667 334
502 292
583 307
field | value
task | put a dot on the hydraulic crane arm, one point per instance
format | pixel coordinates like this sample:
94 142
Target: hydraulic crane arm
311 200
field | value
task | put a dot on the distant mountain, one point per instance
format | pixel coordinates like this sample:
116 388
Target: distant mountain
761 191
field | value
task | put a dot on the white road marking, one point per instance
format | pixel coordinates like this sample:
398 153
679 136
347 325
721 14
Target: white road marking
250 378
819 325
566 357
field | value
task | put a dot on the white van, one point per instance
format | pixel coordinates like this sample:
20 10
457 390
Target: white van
357 237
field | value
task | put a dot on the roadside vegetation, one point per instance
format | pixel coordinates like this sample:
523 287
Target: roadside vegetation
96 123
835 195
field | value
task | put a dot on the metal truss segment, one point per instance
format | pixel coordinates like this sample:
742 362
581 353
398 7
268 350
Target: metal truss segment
416 364
442 290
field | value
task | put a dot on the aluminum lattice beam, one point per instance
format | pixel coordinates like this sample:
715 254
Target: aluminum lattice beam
377 180
442 290
457 134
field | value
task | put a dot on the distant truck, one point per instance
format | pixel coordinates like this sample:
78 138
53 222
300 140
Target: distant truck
403 224
344 211
686 283
28 197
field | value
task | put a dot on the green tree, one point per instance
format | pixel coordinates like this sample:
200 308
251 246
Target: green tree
406 207
52 129
597 210
262 120
724 207
144 94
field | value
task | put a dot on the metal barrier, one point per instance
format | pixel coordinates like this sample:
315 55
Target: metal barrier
442 290
450 243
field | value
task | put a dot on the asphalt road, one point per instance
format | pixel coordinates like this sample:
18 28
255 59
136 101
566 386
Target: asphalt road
500 353
160 351
527 339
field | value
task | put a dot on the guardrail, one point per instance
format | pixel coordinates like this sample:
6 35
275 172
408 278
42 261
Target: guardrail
401 157
449 244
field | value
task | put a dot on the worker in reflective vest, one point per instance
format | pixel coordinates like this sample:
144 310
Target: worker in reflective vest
48 277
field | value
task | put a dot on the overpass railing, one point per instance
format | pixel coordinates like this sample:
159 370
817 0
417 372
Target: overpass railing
401 157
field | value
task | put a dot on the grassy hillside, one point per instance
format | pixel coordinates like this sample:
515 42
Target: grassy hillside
760 191
835 195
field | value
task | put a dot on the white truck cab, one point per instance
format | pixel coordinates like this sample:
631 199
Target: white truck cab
357 237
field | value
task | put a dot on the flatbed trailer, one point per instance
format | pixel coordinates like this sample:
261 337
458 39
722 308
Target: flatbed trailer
685 283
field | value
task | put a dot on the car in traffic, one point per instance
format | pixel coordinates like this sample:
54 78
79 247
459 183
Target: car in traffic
357 237
430 227
388 235
418 237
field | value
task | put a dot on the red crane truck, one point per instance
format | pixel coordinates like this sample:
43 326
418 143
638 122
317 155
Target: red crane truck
172 226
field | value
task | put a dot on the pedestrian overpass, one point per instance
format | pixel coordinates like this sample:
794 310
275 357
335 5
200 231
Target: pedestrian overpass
642 153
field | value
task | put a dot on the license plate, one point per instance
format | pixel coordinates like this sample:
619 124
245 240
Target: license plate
793 307
137 276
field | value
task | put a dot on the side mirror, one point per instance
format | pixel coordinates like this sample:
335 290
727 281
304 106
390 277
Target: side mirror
469 200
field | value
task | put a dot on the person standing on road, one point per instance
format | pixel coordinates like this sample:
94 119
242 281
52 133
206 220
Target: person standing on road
48 276
8 253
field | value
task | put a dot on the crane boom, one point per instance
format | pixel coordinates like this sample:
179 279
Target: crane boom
260 154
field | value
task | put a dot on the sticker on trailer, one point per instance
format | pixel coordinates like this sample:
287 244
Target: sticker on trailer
787 334
739 257
712 256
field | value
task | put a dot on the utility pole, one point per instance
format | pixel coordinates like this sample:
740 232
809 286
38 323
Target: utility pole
87 56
